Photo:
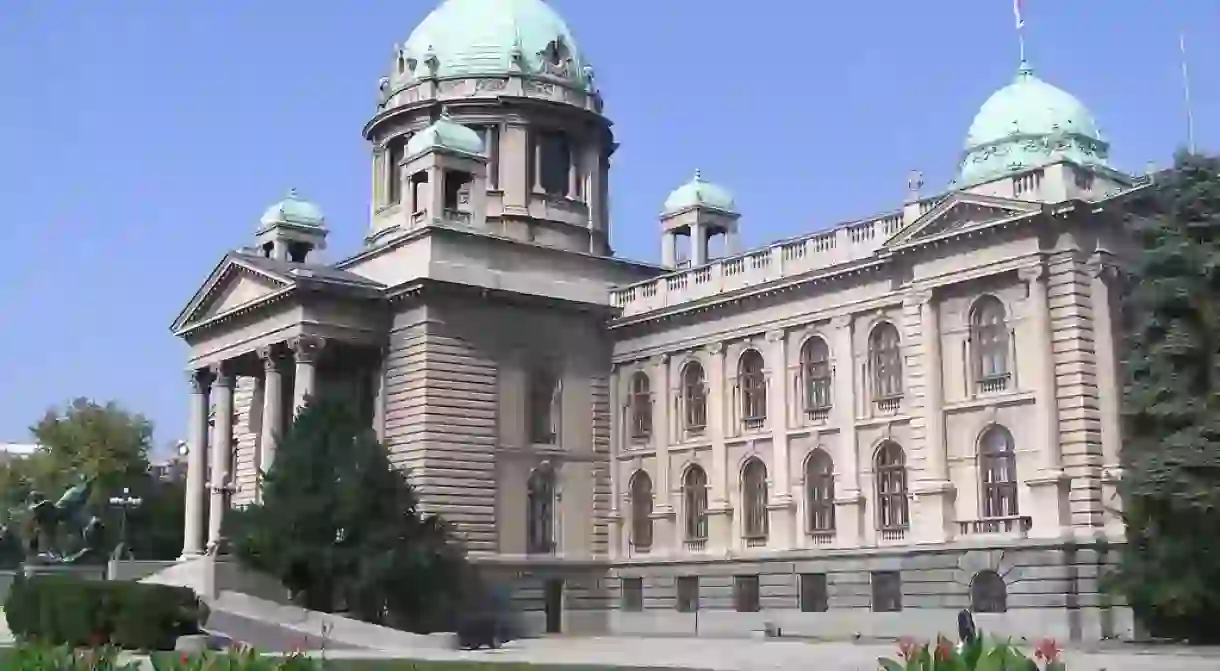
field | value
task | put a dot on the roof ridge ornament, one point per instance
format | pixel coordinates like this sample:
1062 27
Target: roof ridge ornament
1024 71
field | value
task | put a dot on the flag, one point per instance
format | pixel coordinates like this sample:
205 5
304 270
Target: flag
1017 14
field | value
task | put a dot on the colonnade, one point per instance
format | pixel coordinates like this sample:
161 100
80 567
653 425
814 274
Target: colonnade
208 494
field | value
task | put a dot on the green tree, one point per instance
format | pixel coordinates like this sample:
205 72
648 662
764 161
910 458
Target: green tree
339 526
1171 446
85 438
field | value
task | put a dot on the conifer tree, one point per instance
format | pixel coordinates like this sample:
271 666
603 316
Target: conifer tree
339 526
1171 445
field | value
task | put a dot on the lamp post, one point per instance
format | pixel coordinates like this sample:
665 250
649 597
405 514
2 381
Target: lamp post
125 502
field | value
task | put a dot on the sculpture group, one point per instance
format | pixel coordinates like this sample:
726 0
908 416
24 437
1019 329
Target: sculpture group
64 531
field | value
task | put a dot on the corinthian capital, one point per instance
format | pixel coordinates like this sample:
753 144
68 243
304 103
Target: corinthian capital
306 348
1030 274
272 357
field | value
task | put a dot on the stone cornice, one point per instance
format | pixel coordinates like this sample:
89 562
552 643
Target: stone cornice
421 288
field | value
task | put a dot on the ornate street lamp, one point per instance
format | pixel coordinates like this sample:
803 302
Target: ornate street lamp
126 502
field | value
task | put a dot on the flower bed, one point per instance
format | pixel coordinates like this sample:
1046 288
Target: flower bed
976 654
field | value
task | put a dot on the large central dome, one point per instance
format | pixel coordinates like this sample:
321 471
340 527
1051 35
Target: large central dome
463 38
1027 124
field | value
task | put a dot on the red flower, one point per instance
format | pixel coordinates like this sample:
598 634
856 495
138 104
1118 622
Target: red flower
943 649
1047 650
907 647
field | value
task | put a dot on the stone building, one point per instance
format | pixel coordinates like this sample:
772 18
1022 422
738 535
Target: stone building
860 430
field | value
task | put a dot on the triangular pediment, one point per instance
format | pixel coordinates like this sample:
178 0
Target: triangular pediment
231 286
960 211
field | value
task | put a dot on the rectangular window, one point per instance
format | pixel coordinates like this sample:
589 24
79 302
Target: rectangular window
814 596
555 156
395 151
688 593
633 594
887 591
745 594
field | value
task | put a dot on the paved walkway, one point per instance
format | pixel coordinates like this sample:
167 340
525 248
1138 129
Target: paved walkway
758 655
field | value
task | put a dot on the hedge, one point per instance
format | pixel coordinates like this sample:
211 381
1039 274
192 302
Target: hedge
75 611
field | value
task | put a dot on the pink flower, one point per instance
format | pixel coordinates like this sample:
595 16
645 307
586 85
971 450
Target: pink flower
1047 650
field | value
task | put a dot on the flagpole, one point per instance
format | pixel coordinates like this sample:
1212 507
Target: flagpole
1190 115
1019 16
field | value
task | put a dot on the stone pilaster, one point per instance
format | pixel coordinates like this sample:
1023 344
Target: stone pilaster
616 447
720 527
1049 487
934 493
781 506
662 432
849 501
197 463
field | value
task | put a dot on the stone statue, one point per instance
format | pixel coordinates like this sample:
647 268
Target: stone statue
48 521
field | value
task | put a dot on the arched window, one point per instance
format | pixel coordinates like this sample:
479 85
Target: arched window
989 343
891 473
998 473
988 593
753 389
641 407
694 397
754 500
815 367
540 525
886 355
641 511
545 395
820 492
694 503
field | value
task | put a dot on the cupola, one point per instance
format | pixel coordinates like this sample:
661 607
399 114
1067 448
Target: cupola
697 211
444 173
291 229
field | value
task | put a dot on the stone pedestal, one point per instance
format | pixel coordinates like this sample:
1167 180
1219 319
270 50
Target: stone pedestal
720 529
933 516
849 519
782 520
1049 493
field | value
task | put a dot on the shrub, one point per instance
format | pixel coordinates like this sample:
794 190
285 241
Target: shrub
245 660
73 611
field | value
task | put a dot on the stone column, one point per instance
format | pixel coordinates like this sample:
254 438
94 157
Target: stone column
669 249
780 507
273 402
305 351
196 468
222 451
698 245
719 515
1050 488
935 492
849 502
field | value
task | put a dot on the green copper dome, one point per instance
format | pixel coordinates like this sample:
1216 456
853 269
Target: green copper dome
293 210
464 38
447 135
1027 124
699 192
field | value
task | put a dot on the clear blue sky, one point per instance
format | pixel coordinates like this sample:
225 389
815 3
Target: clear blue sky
141 139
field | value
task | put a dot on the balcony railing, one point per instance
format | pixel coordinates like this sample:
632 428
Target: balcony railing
696 544
889 403
996 525
994 383
893 534
756 542
753 423
822 536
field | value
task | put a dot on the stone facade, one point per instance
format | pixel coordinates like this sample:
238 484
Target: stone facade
858 431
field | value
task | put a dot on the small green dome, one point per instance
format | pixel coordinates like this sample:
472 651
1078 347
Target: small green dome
446 135
295 211
699 192
1027 124
463 38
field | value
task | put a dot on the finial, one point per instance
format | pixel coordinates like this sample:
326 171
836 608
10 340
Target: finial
914 184
293 194
1024 71
698 175
445 116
